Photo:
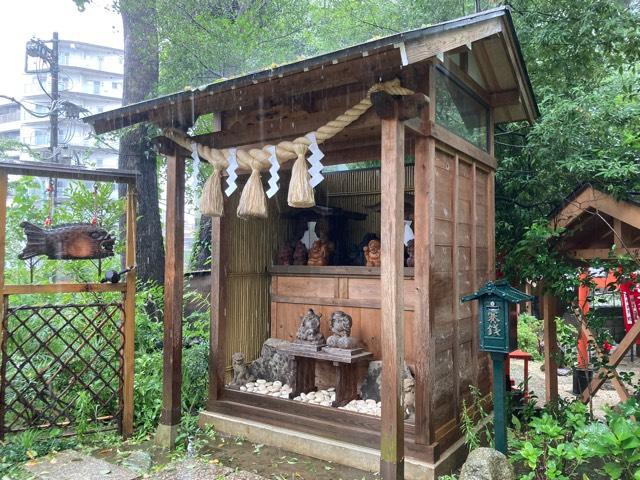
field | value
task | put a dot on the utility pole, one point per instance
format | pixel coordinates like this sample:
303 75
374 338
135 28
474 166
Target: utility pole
39 49
53 117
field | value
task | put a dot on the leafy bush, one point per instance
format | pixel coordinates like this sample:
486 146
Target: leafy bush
529 333
564 443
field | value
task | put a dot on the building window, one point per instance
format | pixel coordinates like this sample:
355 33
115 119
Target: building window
96 87
64 58
99 109
41 137
459 110
114 85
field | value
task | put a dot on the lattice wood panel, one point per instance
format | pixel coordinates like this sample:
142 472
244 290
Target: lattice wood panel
62 365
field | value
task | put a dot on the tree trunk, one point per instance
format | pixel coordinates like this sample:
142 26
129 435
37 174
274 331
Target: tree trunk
140 79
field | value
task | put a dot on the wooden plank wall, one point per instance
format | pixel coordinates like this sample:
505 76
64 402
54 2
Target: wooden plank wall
460 264
358 297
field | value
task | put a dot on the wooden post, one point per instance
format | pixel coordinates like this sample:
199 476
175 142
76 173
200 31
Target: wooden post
3 297
173 295
129 315
423 224
499 401
392 301
549 311
217 357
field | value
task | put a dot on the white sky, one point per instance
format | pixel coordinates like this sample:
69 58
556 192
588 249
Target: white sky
22 19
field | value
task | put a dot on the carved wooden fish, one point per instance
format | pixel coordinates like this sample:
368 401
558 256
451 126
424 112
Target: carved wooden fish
74 241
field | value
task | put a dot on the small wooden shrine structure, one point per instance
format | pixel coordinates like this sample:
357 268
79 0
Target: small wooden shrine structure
435 95
53 348
594 222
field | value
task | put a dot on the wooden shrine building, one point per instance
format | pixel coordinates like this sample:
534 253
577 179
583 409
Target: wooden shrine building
595 226
418 110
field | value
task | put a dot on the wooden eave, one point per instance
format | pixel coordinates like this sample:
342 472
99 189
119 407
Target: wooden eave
594 222
351 71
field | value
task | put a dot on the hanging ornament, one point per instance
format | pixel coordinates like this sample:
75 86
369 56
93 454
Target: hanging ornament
232 176
273 170
50 190
315 161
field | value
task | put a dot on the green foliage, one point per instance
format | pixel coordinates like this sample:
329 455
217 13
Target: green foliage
560 443
529 335
567 336
475 421
616 441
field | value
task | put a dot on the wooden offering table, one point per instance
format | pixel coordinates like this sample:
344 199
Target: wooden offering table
346 370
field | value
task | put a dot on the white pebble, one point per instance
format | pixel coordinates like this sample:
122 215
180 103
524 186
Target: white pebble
298 398
277 383
243 388
250 384
261 381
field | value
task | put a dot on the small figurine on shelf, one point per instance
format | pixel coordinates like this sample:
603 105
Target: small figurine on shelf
309 330
241 373
410 254
285 254
318 254
341 328
372 253
300 254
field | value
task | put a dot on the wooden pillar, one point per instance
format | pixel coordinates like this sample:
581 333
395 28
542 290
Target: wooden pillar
173 297
549 311
217 355
129 314
392 301
423 324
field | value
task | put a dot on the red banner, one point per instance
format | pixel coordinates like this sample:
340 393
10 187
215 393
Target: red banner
630 297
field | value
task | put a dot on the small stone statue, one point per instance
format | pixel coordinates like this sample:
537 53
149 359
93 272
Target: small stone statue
241 373
300 254
285 254
409 392
319 254
309 330
372 253
411 261
341 327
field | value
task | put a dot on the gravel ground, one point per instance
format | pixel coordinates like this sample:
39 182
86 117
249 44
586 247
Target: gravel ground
605 396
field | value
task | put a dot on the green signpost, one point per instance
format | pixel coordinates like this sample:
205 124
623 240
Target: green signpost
498 335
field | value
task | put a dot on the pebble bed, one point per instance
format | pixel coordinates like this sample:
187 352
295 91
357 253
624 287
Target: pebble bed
320 397
274 389
370 407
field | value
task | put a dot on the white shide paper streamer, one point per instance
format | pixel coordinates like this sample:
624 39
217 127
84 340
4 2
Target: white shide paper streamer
273 170
309 236
408 233
232 176
315 161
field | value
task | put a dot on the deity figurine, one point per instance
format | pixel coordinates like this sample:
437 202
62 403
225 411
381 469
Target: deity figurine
309 330
300 254
410 254
341 328
241 373
285 254
318 254
372 253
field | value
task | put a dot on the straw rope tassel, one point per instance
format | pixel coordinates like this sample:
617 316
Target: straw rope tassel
211 198
253 201
300 193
